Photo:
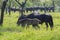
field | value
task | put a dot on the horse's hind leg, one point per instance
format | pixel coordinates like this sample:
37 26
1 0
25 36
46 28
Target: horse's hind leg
46 26
51 28
51 25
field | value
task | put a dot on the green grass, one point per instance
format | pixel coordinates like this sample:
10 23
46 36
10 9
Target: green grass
10 30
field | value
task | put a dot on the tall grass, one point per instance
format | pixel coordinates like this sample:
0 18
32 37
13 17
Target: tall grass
10 30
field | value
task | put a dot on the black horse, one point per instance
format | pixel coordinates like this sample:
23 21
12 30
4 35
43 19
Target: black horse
43 18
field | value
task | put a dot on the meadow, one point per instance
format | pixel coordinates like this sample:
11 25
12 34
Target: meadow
10 31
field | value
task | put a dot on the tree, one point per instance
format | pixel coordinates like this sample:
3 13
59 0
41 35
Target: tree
22 6
2 11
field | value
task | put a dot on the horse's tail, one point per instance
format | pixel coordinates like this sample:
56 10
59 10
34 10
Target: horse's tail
51 22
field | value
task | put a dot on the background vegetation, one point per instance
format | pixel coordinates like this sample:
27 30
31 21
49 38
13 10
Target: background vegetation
33 3
10 30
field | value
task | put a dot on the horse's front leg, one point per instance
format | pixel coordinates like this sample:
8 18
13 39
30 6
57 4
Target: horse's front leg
23 25
38 26
34 26
27 26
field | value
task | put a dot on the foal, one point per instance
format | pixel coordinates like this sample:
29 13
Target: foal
34 22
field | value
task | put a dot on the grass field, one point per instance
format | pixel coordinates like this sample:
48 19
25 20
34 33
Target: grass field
10 30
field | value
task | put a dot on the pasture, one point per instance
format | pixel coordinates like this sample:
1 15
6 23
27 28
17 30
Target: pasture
10 31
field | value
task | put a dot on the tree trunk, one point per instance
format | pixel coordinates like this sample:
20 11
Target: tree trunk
2 11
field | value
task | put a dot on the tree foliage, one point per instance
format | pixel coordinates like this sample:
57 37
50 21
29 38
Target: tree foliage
31 3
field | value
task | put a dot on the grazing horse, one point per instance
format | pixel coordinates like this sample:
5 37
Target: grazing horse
20 18
34 22
43 18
